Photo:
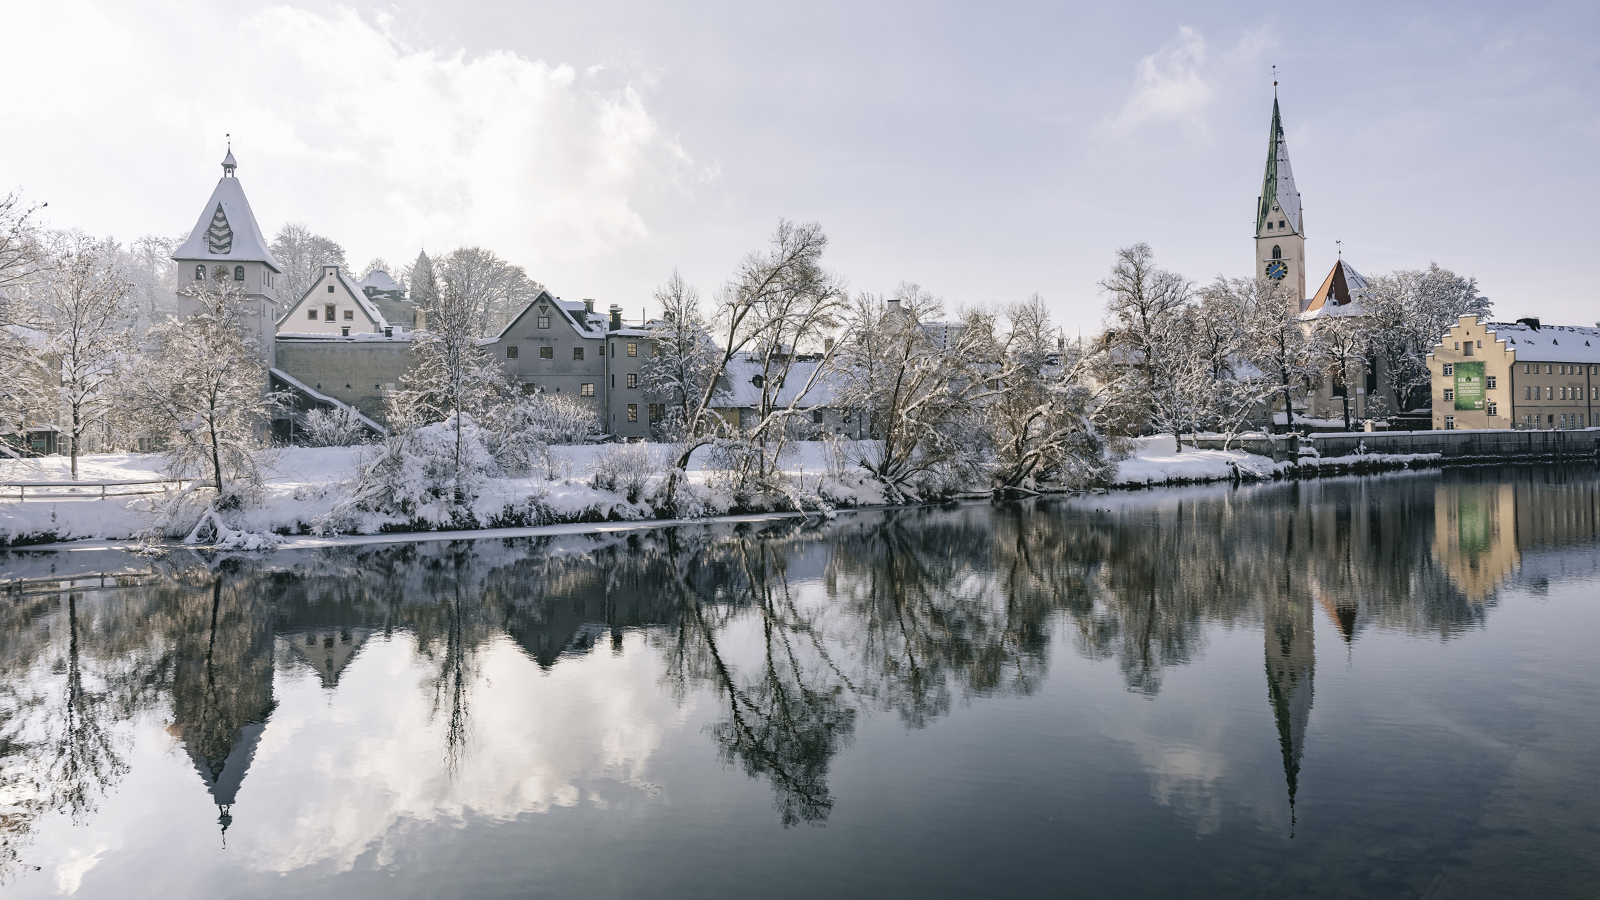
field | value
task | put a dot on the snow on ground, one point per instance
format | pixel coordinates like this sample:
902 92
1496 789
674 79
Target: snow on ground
1156 460
303 482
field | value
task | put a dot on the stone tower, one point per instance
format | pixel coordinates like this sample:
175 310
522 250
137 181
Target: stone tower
227 245
1280 224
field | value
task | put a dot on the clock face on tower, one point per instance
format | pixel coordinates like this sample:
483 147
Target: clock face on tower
1276 269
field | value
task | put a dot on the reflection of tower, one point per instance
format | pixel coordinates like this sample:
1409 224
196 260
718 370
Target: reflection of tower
1291 664
222 687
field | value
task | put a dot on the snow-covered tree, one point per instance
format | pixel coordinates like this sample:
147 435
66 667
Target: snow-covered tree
1144 318
922 397
302 254
682 356
20 253
1343 344
1042 416
376 264
148 266
83 307
1273 339
202 391
451 377
1407 312
778 303
496 289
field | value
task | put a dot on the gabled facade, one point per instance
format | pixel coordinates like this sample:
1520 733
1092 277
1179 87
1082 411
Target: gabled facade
228 246
335 304
1515 375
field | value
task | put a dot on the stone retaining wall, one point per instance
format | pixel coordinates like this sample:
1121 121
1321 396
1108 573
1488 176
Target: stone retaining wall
1495 445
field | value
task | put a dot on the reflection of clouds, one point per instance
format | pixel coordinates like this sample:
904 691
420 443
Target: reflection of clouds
355 775
1184 776
70 871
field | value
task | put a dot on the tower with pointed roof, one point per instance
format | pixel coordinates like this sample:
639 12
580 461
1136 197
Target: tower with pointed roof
227 246
1280 222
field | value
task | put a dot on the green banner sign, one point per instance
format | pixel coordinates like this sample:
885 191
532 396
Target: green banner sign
1469 385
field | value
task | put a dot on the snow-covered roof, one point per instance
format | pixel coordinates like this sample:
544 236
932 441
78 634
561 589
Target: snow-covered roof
1277 186
1549 343
379 280
227 229
1340 294
743 391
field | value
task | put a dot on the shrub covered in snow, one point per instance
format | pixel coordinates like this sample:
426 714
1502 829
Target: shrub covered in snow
423 474
340 427
625 469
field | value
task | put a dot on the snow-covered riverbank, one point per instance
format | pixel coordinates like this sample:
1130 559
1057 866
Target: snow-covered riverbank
303 483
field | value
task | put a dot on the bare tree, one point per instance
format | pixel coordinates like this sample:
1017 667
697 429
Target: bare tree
302 255
682 356
84 309
1343 344
1407 312
495 289
203 391
922 400
1144 312
779 301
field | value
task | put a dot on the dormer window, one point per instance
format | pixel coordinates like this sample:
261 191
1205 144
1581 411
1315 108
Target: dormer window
238 273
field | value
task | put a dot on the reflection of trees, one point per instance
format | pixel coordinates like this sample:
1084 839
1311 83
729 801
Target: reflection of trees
797 631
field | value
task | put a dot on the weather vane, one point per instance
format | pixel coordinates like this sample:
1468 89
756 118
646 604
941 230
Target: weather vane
1274 80
1341 248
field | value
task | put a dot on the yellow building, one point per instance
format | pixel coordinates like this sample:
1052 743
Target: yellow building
1515 375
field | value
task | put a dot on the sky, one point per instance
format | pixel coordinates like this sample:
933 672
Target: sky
984 151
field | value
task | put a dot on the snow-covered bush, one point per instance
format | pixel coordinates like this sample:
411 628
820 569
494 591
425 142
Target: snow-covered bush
523 428
415 474
339 427
625 469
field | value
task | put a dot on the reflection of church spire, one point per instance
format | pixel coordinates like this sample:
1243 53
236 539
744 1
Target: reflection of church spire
222 689
1291 664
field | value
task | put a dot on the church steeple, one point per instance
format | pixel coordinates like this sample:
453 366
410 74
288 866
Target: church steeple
1280 222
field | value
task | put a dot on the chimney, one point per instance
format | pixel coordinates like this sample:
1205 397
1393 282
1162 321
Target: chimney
421 321
588 305
827 345
616 317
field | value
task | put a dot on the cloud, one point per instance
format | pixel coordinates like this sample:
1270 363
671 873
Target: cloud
339 121
1175 85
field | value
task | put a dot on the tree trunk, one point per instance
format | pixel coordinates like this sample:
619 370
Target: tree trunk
76 430
216 454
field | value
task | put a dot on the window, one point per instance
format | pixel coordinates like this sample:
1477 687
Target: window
613 351
1458 345
1449 423
1449 394
586 389
577 353
1578 421
547 353
1527 393
633 379
349 315
1524 368
529 387
311 314
1449 369
1547 369
633 412
328 310
1563 393
544 321
816 417
1282 225
511 353
1489 382
238 273
199 273
1492 408
330 288
633 348
1468 350
758 380
613 381
1269 226
1550 393
1480 345
344 331
1277 252
1550 421
658 411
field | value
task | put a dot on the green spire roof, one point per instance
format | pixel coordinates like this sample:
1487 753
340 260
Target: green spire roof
1277 185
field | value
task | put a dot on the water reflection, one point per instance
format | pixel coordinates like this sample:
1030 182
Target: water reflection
795 631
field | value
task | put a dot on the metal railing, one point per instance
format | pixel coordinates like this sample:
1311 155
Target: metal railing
86 490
